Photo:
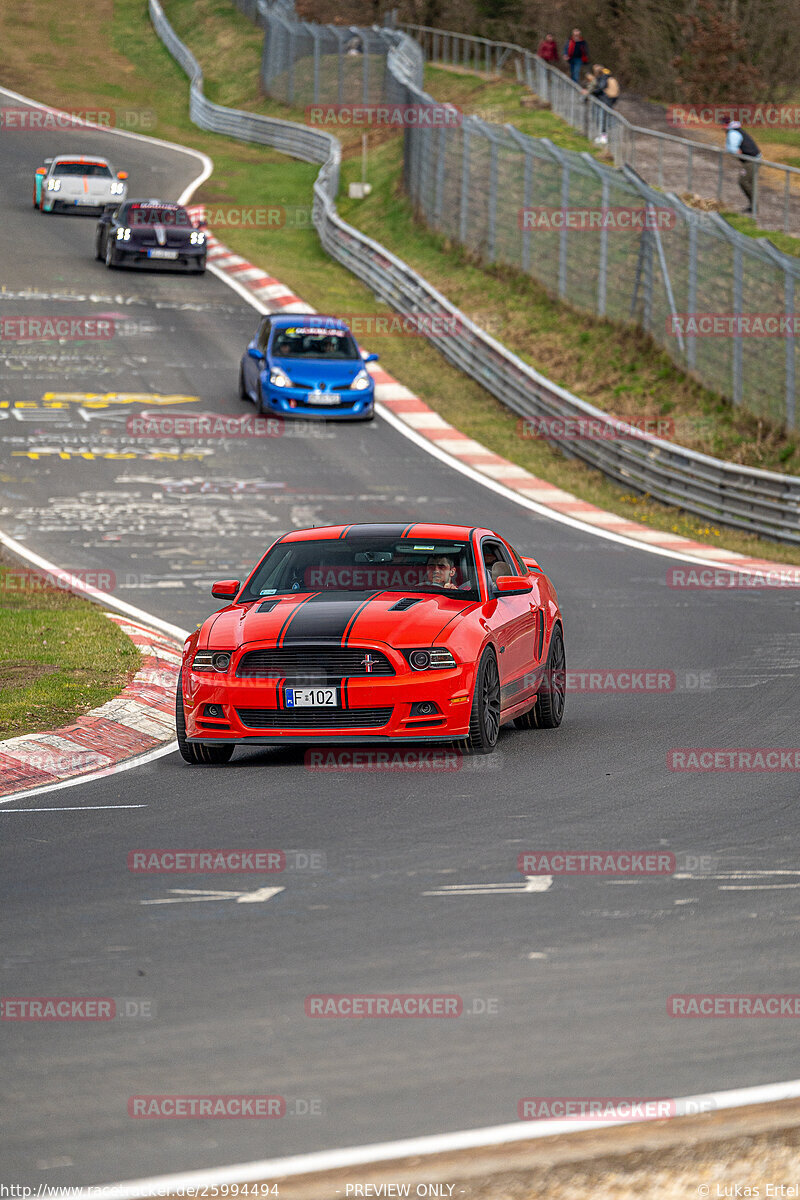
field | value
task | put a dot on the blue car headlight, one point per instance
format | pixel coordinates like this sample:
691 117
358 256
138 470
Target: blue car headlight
361 381
278 379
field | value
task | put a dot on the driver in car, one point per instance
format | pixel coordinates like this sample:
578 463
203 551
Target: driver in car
439 570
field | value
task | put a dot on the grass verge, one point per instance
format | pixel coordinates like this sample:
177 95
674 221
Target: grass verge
61 655
617 370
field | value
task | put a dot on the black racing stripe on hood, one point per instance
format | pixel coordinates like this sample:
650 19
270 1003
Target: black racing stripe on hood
322 619
291 616
356 615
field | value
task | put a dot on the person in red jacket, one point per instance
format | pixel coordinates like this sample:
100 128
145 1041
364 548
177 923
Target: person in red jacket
548 49
576 53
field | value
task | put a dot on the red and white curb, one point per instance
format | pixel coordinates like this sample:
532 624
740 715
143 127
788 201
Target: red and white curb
428 426
140 719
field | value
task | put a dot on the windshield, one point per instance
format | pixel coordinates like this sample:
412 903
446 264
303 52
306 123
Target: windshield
99 170
365 565
313 342
151 214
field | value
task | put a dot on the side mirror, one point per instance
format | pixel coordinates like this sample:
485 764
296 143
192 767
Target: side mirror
122 174
41 170
370 358
202 223
531 564
254 352
513 585
225 589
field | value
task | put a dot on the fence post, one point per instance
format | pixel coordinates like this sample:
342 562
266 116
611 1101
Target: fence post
602 271
364 69
316 35
438 199
290 71
691 299
788 291
562 238
462 228
736 361
492 206
527 197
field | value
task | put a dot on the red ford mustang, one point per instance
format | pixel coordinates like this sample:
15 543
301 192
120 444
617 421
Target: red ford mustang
364 633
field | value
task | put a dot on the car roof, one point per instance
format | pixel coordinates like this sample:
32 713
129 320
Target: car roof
285 320
82 158
415 529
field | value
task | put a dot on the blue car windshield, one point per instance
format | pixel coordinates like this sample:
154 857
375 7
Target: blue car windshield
315 343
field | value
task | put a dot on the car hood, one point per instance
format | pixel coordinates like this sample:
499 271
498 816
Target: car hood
319 375
79 185
332 617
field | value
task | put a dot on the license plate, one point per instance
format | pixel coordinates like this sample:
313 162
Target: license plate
323 697
325 398
162 253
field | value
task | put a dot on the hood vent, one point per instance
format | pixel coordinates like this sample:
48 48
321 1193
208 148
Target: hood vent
268 605
404 604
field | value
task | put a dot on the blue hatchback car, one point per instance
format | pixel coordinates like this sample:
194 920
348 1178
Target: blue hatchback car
307 365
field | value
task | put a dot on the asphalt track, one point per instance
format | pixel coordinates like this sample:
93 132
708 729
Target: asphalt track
579 974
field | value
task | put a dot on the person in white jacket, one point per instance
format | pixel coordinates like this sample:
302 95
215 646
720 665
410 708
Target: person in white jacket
739 142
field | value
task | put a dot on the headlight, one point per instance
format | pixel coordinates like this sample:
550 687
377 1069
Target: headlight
117 189
123 234
361 381
197 238
212 660
278 378
54 185
434 659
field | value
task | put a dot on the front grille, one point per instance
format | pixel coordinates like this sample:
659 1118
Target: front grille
312 662
314 718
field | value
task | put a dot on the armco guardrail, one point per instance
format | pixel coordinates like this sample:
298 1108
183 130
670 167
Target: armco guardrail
758 501
666 160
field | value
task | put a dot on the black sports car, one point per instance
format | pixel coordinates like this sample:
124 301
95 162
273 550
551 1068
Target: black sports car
150 233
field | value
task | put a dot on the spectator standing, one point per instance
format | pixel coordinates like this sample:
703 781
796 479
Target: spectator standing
739 142
576 53
602 85
548 49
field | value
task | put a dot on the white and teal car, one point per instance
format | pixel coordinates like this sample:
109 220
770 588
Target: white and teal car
77 183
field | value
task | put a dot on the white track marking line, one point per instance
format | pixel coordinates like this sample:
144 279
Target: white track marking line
72 808
197 895
188 191
440 1143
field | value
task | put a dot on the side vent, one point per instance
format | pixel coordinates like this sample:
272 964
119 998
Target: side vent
404 604
540 619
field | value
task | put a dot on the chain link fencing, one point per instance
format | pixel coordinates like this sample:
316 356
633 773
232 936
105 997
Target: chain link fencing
666 160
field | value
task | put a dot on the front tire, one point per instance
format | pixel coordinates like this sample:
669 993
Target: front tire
111 259
484 720
548 711
243 393
191 752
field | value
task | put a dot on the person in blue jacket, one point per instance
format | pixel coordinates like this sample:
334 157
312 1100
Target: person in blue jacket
739 142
